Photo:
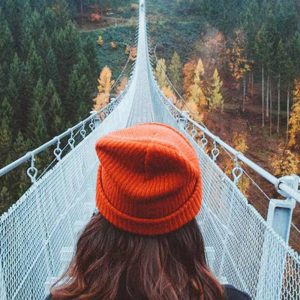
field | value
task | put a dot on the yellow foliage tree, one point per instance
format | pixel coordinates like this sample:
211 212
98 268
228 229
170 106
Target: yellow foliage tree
132 53
285 163
169 94
127 50
105 83
100 41
238 63
239 142
122 85
215 98
196 89
160 73
175 69
294 122
188 76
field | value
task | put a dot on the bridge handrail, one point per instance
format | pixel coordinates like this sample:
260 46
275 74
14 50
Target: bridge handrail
57 138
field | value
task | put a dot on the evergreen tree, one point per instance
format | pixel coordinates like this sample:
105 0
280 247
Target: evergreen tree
36 122
19 186
34 66
251 24
83 100
15 88
53 110
295 53
50 21
6 114
31 29
51 67
43 45
62 13
77 101
160 73
175 70
66 46
3 83
216 100
6 42
90 54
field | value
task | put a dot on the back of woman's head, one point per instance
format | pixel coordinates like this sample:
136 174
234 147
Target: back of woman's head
114 264
146 243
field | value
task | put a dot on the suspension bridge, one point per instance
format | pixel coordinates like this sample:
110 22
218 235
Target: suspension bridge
38 233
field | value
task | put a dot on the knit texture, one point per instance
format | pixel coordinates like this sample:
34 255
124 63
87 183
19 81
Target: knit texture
149 179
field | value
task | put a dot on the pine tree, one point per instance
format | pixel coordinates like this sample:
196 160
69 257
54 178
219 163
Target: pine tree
89 51
175 70
19 186
283 70
62 13
34 66
31 30
295 53
51 67
66 46
53 110
36 125
6 114
6 42
71 97
3 82
14 90
216 100
294 122
160 73
238 63
105 83
43 44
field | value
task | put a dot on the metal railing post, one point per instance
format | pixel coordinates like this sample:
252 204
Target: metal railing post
273 259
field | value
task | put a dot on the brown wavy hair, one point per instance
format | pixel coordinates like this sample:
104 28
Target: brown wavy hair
116 265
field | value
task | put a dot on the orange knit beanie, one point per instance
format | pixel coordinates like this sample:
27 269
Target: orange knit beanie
149 179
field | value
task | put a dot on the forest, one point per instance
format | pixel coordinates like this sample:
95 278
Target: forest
233 65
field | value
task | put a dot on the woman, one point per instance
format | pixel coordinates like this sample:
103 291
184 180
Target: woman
145 243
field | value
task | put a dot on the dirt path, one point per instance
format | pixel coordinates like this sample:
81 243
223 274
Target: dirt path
107 22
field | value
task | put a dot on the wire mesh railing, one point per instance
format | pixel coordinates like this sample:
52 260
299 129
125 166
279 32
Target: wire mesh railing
248 253
43 221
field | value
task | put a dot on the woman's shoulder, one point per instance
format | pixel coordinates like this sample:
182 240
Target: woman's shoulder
231 293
